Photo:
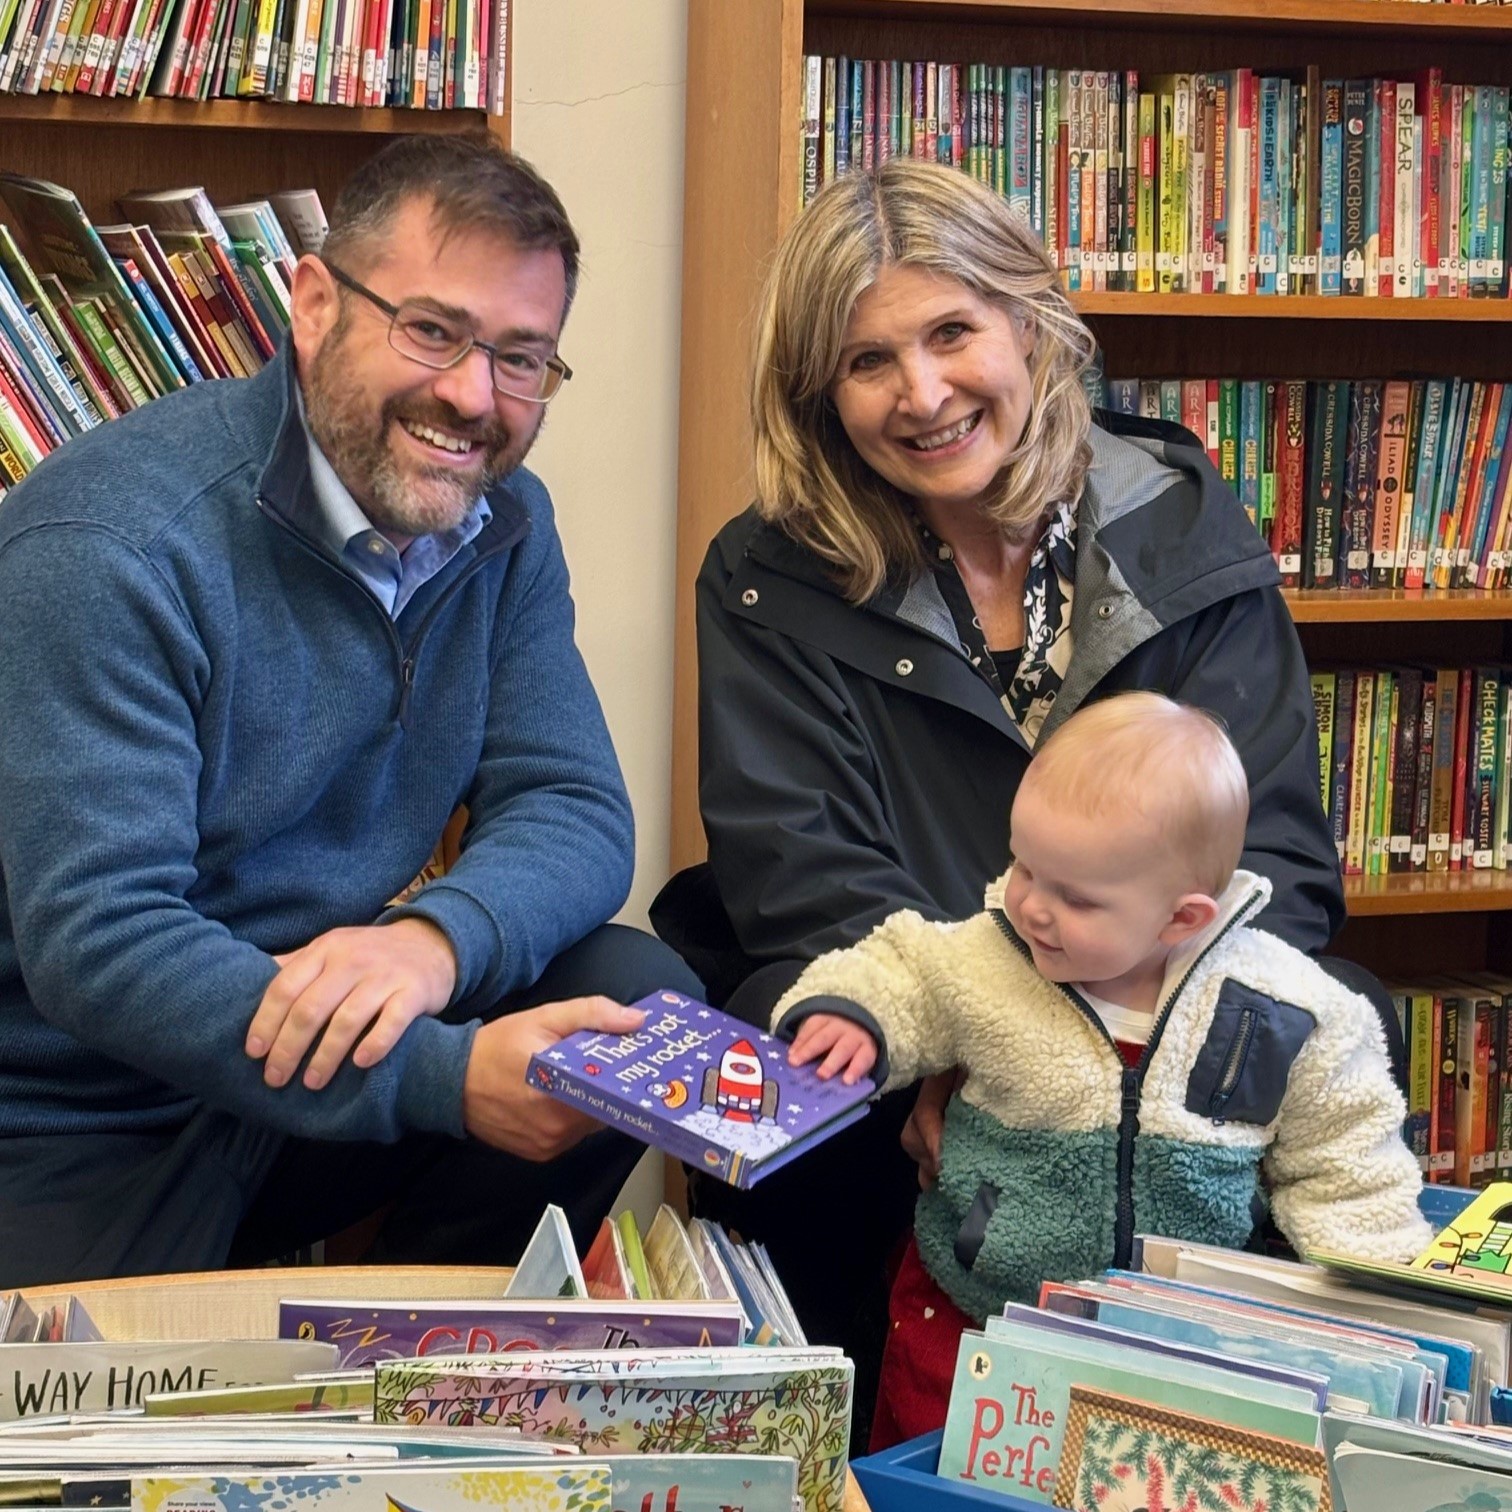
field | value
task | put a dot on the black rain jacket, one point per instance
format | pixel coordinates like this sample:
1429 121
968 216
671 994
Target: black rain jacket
853 761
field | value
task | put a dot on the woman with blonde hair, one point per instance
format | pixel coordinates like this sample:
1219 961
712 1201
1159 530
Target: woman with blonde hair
948 554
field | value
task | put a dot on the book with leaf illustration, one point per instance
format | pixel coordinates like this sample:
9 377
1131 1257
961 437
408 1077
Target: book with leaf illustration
794 1402
1121 1454
703 1086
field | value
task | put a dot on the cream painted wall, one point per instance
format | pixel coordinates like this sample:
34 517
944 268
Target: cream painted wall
598 109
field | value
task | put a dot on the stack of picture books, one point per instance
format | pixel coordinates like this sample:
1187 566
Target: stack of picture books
683 1286
96 320
171 1465
423 54
1210 1378
544 1394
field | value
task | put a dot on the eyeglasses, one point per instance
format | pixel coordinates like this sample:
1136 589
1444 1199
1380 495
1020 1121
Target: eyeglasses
438 341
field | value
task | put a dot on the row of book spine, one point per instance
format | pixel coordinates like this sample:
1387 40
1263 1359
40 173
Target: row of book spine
421 54
1459 1076
1355 484
1230 182
98 320
1415 767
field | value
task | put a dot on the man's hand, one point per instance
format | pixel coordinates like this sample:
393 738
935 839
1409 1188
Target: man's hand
926 1124
501 1108
386 975
845 1046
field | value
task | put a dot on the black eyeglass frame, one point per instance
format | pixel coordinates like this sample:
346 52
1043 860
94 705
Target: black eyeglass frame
553 364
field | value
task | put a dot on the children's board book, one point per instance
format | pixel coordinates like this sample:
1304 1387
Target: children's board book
366 1332
1011 1399
571 1485
44 1379
703 1086
549 1267
721 1402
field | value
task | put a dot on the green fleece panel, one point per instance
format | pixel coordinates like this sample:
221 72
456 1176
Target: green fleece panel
1055 1212
1057 1203
1203 1193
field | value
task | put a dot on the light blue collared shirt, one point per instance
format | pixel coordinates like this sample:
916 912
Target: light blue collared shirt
394 577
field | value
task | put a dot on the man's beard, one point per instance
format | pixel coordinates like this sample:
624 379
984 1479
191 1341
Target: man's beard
412 500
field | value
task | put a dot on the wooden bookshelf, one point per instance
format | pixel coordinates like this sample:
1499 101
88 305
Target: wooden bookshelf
1293 307
240 115
1321 606
1323 16
1428 893
742 175
235 149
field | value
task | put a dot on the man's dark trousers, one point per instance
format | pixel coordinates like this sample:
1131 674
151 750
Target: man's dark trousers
218 1192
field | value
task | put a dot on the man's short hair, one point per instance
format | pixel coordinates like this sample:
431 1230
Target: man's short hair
473 184
1145 755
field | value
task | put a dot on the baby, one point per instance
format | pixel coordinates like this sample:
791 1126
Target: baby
1137 1056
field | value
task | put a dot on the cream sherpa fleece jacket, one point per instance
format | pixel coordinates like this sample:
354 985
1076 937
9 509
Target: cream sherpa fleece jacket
1259 1067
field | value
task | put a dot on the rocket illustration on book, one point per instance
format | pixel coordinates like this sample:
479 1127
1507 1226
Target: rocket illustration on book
737 1087
701 1085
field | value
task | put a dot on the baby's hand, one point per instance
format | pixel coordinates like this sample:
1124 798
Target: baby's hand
839 1041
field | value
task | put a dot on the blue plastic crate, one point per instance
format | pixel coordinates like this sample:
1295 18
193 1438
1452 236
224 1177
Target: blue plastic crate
903 1479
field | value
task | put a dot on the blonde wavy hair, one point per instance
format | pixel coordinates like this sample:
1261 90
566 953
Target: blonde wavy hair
810 480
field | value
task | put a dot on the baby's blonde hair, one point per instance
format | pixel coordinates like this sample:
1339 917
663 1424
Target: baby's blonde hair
1170 764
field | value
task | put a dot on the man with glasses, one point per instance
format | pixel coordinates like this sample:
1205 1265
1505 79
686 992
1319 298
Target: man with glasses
264 639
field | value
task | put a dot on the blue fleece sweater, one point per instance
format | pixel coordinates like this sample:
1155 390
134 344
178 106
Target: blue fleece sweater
215 745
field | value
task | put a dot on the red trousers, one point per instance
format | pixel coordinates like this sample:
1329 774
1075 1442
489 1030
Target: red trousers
924 1330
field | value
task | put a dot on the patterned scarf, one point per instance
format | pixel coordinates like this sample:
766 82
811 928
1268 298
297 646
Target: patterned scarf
1049 586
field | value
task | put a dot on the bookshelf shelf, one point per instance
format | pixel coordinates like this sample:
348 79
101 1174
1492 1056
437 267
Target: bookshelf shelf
1315 606
1400 16
1428 893
1293 307
236 115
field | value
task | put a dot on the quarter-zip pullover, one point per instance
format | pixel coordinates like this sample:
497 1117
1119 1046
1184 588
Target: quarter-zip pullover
216 744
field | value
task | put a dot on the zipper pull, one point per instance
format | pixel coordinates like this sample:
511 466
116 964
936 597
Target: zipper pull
1130 1102
406 686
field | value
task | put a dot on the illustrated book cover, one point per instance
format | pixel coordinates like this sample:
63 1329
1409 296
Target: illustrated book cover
1474 1249
549 1265
1010 1402
570 1485
703 1086
366 1332
38 1379
1405 1483
1121 1454
723 1402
